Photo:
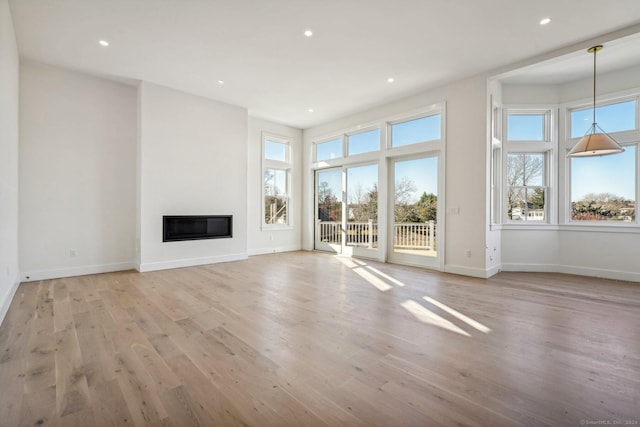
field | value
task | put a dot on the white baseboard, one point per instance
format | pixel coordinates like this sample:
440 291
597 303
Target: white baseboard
57 273
265 251
572 269
189 262
470 271
4 305
492 271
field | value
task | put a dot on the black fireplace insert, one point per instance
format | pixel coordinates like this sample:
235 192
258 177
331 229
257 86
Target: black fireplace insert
196 227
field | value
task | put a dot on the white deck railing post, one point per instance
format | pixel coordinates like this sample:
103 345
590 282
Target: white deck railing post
432 234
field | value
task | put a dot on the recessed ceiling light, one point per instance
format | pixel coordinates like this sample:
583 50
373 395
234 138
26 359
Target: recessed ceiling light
391 80
545 21
308 33
104 43
220 82
311 110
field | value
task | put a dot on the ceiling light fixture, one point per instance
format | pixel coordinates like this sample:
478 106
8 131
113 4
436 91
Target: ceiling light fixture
311 110
104 43
308 33
595 143
391 80
220 82
545 21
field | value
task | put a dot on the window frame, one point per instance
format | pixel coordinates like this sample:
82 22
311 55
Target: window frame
625 138
548 147
285 166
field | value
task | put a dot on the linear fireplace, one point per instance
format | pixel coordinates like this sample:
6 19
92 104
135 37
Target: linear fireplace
196 227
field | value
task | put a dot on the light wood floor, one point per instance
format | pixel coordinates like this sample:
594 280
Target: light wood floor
308 339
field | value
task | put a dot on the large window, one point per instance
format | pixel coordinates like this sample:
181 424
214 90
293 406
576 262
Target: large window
604 189
593 190
276 175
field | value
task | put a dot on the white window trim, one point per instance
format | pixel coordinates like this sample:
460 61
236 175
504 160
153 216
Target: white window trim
630 137
547 147
287 166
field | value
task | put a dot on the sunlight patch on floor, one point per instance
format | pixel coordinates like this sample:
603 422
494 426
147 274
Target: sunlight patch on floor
469 321
426 316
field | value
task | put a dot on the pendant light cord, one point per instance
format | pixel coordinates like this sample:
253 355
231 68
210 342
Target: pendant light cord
595 51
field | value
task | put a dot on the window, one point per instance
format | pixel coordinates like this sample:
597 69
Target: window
329 150
275 196
276 176
617 117
526 169
415 131
603 188
276 150
529 125
363 142
526 189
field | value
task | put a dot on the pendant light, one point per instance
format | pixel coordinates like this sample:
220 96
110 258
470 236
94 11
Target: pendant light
595 142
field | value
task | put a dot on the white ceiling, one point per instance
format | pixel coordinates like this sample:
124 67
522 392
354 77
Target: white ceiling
269 67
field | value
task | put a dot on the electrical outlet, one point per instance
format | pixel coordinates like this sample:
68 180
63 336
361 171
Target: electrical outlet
467 253
72 252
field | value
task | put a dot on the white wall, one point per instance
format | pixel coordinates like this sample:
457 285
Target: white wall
261 241
193 161
594 251
9 66
465 168
77 171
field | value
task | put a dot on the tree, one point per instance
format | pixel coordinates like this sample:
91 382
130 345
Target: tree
428 207
329 207
522 170
602 206
403 208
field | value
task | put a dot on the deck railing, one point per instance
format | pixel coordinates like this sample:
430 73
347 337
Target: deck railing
407 235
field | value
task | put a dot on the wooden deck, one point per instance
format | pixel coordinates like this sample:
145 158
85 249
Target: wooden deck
310 339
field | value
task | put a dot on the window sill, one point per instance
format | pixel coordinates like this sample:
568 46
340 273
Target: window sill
276 227
595 228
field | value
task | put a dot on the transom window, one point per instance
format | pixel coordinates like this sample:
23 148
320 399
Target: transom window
415 131
363 142
276 150
328 150
614 117
529 125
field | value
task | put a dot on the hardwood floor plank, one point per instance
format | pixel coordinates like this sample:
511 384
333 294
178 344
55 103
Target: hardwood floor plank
303 339
72 393
109 405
